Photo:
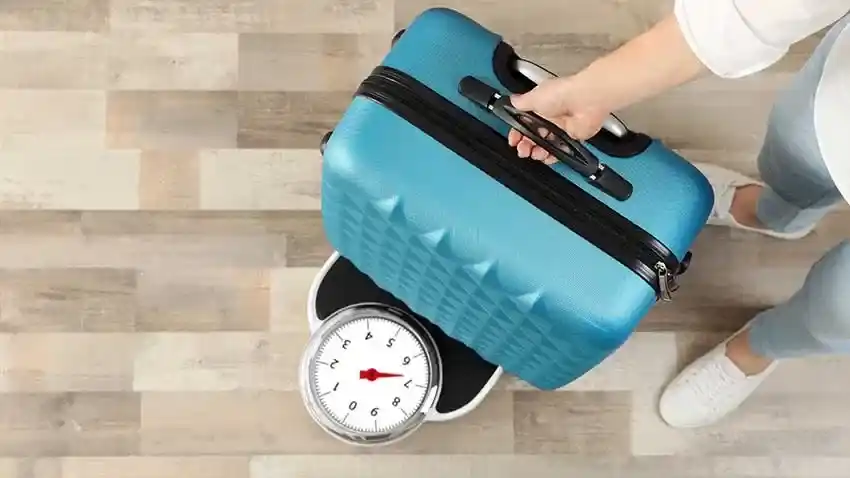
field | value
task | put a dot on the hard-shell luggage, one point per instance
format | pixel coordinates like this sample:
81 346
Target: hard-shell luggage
542 270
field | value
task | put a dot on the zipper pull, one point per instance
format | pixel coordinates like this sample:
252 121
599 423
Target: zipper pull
666 283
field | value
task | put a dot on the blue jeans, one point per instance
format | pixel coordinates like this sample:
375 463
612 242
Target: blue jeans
799 192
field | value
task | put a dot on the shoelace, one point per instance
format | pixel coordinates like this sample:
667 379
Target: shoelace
712 383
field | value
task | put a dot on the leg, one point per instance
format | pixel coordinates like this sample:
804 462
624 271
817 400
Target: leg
798 189
797 193
816 320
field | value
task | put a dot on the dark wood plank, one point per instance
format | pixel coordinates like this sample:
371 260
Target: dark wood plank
65 300
288 119
171 119
57 424
574 423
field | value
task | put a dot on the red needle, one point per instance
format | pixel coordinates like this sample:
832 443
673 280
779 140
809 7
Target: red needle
372 374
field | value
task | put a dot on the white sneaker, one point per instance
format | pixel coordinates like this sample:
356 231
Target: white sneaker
708 389
725 182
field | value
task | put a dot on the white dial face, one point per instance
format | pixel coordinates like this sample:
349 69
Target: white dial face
371 375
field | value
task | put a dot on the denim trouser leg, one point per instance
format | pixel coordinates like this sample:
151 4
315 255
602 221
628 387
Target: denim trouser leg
799 192
816 319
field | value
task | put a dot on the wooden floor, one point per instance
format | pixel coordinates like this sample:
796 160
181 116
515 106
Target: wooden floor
159 226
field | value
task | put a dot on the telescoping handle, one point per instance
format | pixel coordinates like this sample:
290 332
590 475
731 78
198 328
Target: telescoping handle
537 74
548 136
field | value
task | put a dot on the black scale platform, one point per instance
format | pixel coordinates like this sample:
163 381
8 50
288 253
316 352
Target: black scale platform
465 373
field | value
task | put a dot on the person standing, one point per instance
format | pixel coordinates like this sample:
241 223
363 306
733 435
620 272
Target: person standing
804 164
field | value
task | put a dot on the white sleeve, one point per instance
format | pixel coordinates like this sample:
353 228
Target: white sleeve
735 38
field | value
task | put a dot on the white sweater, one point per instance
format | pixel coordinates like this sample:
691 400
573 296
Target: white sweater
736 38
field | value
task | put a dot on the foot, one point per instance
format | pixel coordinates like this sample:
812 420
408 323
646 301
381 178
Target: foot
744 205
742 355
714 385
735 202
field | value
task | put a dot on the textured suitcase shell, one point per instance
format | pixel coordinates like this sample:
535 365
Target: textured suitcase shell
461 249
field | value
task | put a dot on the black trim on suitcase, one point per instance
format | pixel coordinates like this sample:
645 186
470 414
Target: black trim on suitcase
628 146
547 190
503 58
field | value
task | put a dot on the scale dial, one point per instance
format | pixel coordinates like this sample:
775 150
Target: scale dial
369 376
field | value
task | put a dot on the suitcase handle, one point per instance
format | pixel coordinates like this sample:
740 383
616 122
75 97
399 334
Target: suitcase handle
537 74
556 141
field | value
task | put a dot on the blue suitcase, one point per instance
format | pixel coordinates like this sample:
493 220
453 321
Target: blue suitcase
537 268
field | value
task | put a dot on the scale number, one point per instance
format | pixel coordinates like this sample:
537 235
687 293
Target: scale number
370 375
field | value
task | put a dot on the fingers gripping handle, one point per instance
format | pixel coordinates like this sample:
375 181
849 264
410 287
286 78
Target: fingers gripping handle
548 136
537 74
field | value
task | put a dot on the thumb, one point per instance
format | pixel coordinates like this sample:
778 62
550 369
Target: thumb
581 128
547 98
525 101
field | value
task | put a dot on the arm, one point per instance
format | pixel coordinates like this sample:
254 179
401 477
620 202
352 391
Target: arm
727 38
647 65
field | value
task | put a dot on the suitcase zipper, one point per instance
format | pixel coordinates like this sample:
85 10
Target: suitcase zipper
488 150
665 285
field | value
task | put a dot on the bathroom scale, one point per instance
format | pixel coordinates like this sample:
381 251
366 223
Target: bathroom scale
373 371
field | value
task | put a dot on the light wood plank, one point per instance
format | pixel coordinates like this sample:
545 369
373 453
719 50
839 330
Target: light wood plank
263 423
192 223
308 62
620 20
69 179
52 60
203 299
52 119
159 61
655 467
155 467
796 425
307 245
40 222
50 15
169 180
287 179
227 423
218 361
287 16
510 466
58 362
143 252
373 466
290 287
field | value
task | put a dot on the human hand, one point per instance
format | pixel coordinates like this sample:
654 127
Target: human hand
563 102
